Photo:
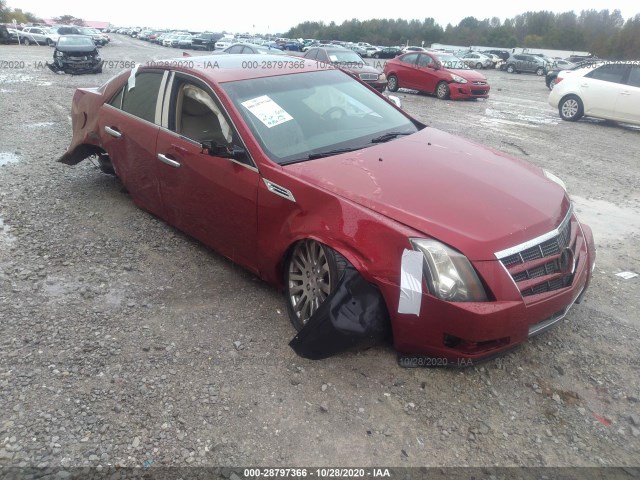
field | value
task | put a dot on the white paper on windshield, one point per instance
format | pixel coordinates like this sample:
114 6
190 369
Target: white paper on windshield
267 111
333 58
131 83
411 282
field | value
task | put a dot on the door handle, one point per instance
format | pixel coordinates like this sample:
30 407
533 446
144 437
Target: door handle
169 161
625 93
113 132
585 85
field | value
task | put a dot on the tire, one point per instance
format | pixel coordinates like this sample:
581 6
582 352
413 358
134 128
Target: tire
442 90
571 108
511 69
539 71
392 83
478 66
376 55
312 272
26 42
50 42
105 165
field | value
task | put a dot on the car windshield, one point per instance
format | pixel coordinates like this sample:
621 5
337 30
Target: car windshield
451 62
75 41
303 116
343 56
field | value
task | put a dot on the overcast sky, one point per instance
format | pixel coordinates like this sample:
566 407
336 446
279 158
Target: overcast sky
268 16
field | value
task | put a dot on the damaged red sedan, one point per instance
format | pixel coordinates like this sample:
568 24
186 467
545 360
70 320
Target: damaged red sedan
367 219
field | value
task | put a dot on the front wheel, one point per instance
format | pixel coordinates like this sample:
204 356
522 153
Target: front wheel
50 42
26 42
376 55
312 273
540 71
442 91
571 108
478 66
511 69
392 83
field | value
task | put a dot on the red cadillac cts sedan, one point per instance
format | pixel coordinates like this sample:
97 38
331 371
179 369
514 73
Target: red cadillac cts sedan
441 74
318 184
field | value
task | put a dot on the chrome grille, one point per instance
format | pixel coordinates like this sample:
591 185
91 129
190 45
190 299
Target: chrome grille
479 83
550 246
368 76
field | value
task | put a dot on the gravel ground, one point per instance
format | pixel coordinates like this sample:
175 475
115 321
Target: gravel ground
124 342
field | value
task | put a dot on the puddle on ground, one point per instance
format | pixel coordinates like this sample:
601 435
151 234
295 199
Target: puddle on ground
607 220
5 236
7 157
15 78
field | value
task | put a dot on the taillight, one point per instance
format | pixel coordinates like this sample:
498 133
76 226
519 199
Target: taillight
558 80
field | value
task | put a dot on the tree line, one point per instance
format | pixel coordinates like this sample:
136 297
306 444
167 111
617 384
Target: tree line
602 33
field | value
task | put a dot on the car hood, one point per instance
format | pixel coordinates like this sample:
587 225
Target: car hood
469 75
475 199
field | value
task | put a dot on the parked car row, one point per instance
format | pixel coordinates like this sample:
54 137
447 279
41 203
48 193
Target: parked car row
43 35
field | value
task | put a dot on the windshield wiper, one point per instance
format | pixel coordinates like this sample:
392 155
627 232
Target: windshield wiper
389 136
328 153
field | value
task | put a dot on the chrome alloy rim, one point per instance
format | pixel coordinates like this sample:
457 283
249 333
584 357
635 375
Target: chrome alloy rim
392 82
442 90
309 279
570 108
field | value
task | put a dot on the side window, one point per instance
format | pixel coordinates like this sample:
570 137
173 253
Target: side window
634 76
236 49
313 54
411 58
424 61
198 117
142 99
612 72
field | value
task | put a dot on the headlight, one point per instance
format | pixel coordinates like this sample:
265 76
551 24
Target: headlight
458 78
382 77
448 273
555 179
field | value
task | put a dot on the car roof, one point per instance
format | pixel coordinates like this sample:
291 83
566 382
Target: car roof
237 66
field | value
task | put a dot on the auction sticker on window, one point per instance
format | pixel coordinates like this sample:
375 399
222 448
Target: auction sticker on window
267 111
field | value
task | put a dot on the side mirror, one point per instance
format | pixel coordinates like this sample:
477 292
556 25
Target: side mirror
219 150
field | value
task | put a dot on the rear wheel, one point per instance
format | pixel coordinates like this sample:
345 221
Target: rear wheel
26 41
50 42
312 273
540 71
105 165
442 91
571 108
478 66
392 83
511 69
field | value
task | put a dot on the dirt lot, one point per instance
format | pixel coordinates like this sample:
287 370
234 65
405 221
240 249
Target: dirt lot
124 342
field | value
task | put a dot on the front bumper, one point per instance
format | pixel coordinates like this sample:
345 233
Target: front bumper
459 91
78 67
379 86
475 330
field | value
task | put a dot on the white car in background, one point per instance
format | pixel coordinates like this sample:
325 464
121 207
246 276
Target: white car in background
477 60
39 36
225 42
609 90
